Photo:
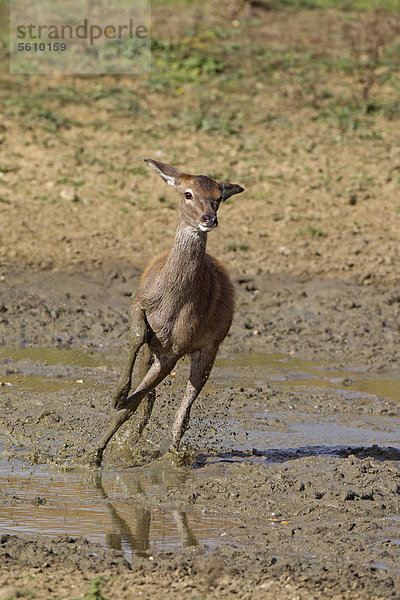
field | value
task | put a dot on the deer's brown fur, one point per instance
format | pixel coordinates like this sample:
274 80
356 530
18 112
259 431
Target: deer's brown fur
183 305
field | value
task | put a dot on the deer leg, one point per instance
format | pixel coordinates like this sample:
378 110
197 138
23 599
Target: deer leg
159 369
161 366
146 360
138 334
200 368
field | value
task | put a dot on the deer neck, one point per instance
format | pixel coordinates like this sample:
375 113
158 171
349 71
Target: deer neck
185 263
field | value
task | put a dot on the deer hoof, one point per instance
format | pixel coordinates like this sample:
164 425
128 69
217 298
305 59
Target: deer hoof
179 458
94 458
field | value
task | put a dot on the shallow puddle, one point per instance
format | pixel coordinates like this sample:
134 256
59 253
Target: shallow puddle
291 373
43 383
36 368
288 433
53 356
287 436
118 510
49 370
284 371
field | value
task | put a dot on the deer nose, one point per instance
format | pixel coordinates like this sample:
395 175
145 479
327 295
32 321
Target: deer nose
209 220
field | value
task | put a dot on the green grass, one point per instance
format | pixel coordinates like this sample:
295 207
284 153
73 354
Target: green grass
346 5
314 232
234 247
299 4
190 60
198 70
95 591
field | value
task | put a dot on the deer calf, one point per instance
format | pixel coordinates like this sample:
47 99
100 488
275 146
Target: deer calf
183 305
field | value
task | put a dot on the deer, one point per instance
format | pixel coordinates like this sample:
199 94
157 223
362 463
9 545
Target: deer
183 305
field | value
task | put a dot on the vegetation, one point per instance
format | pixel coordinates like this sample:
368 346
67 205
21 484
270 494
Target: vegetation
282 95
363 52
95 590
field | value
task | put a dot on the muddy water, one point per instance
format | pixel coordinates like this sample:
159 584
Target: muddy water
291 430
309 436
296 374
33 368
119 511
283 370
52 356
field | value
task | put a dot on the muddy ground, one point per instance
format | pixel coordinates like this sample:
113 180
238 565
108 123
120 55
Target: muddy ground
312 248
312 522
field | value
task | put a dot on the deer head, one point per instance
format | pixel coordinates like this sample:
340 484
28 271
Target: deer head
200 196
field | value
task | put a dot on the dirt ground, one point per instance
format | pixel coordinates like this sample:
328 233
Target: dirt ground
312 247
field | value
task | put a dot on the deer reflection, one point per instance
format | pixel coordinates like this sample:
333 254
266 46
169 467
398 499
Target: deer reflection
136 533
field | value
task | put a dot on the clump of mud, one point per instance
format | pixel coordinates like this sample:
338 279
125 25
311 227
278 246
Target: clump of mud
65 551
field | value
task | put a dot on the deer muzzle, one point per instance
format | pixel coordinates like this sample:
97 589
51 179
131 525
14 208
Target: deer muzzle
208 222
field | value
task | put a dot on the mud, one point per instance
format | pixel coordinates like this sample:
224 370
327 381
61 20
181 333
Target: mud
294 488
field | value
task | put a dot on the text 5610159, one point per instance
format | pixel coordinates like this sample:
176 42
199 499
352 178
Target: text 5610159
42 47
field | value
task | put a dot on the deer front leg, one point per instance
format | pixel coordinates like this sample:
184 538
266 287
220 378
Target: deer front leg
145 362
160 368
200 369
138 334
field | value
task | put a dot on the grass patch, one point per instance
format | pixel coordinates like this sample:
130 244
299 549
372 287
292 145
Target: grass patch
312 231
190 60
343 5
234 247
95 591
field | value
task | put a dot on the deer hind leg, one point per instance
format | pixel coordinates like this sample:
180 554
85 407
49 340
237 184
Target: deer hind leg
200 369
138 335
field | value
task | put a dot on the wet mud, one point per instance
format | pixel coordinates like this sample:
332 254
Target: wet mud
294 486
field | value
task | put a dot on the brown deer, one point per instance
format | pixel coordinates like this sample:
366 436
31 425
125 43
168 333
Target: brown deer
183 305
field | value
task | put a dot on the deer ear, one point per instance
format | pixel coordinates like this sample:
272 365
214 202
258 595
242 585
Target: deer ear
168 173
229 189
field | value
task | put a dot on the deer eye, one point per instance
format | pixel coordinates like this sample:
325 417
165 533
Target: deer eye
188 195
